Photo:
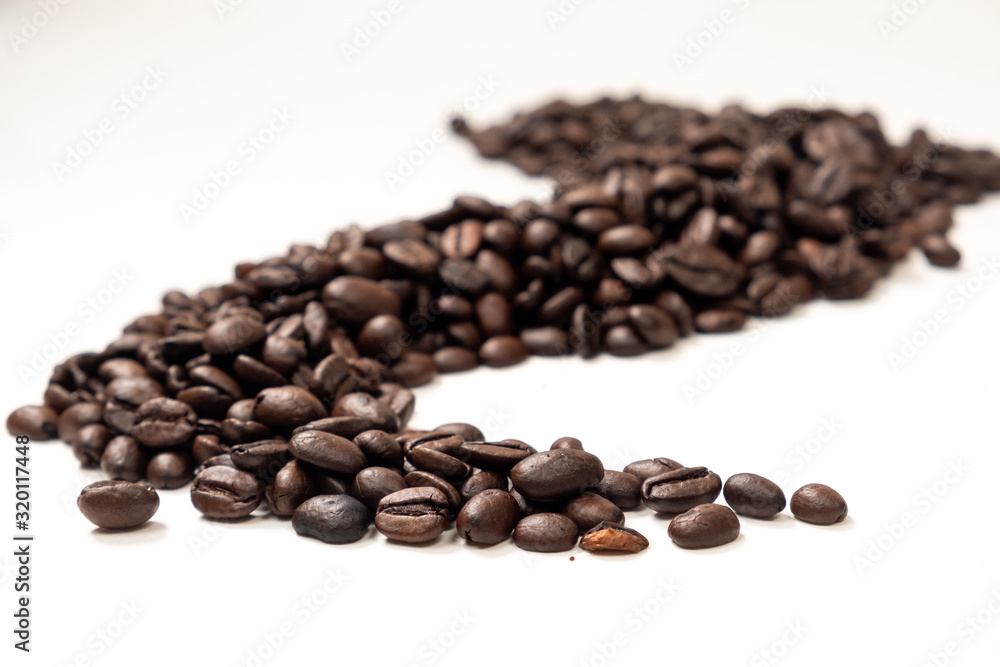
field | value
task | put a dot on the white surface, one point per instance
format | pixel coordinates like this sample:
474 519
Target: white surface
214 601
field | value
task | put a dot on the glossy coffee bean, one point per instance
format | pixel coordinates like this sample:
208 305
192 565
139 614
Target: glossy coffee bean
170 469
38 422
500 456
355 300
284 408
680 490
611 537
589 509
621 488
76 417
291 487
373 484
488 517
338 519
124 459
366 406
567 443
556 474
418 478
546 532
327 451
89 444
233 334
206 446
164 422
117 504
221 492
413 515
481 481
380 448
754 496
704 526
819 504
651 467
264 458
502 351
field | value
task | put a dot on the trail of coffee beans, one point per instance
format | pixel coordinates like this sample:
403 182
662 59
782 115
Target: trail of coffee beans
290 385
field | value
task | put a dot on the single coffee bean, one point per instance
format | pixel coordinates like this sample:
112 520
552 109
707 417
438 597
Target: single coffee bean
380 448
939 252
291 487
488 518
413 515
502 351
680 490
221 492
206 446
567 443
164 422
233 334
373 484
467 431
418 478
610 537
819 504
455 359
284 408
500 456
327 451
444 465
264 458
546 532
647 468
76 417
355 300
703 526
220 460
123 459
38 422
117 504
338 519
368 407
170 469
754 496
622 488
345 427
556 474
89 444
589 509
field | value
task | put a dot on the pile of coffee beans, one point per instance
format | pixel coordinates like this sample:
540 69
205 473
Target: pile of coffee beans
290 386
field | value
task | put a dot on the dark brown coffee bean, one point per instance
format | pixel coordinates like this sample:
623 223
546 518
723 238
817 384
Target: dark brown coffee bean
345 427
439 463
546 341
413 515
501 456
589 509
647 468
819 504
123 459
680 490
38 422
355 300
625 240
221 492
256 375
621 488
233 334
567 443
465 238
502 351
556 474
704 526
611 537
284 408
380 448
373 484
76 417
327 451
383 337
654 326
488 517
417 478
413 369
118 505
366 406
291 487
468 432
334 519
719 320
205 447
170 469
939 252
481 481
413 257
455 359
264 458
164 422
546 532
89 444
753 495
703 269
120 368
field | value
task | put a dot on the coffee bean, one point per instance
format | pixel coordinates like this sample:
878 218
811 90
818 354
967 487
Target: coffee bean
76 417
118 505
89 444
439 463
284 408
373 484
291 487
355 300
502 351
753 495
366 406
719 320
819 504
327 451
413 369
38 422
164 422
609 537
567 443
419 478
221 492
455 359
123 459
413 515
264 458
170 469
621 488
333 519
704 526
647 468
488 517
205 447
680 490
481 481
546 532
233 334
556 474
468 432
546 341
703 269
589 509
502 455
939 252
380 448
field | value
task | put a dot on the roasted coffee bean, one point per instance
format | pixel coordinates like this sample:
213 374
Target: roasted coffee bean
164 422
233 334
205 447
413 369
400 400
819 504
345 427
488 517
704 526
654 326
291 487
373 484
939 252
284 408
567 443
380 448
38 422
647 468
502 455
327 451
221 492
589 509
355 300
170 469
703 269
263 458
117 504
438 462
621 488
546 532
719 320
680 490
413 515
546 341
121 368
89 444
418 478
612 537
468 432
753 495
76 417
481 481
502 351
556 474
336 519
455 359
123 459
366 406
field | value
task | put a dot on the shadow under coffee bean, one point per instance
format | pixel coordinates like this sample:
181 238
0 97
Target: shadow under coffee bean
291 384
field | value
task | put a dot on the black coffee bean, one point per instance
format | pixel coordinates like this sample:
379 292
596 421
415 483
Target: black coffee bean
612 537
753 495
819 504
680 490
327 451
546 532
164 422
556 474
123 459
221 492
284 408
345 427
170 469
291 487
336 519
488 517
704 526
589 509
38 422
413 515
117 504
373 484
622 488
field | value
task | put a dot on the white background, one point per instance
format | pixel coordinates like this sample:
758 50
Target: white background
205 593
